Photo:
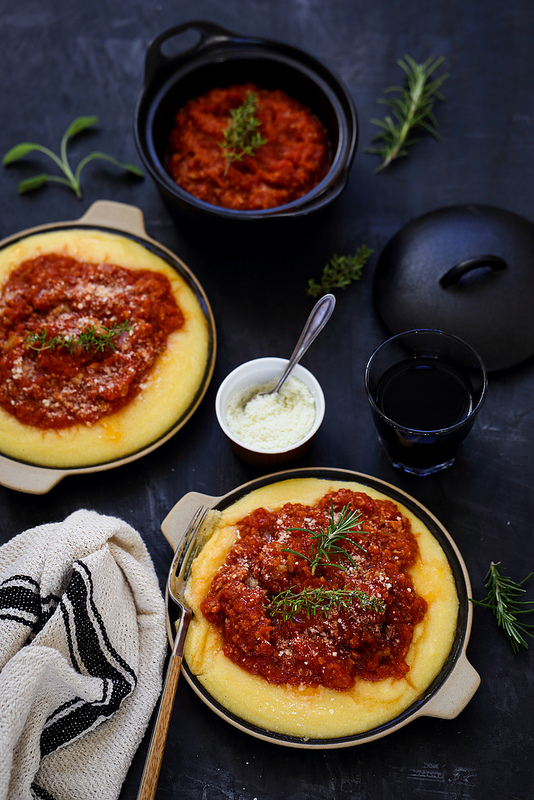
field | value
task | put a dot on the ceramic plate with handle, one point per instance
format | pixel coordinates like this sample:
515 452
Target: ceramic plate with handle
447 694
125 222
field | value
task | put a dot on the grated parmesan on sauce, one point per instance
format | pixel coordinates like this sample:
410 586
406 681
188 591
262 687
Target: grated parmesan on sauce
272 422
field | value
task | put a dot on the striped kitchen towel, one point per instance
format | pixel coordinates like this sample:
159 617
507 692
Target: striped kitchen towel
82 645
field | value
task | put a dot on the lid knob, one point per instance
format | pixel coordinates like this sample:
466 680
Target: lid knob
454 274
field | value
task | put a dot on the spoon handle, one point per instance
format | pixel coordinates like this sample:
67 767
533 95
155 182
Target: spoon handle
319 316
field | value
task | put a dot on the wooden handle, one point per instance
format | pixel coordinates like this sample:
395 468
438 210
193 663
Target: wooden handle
149 779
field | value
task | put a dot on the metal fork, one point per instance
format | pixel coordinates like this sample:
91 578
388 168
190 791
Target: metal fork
176 582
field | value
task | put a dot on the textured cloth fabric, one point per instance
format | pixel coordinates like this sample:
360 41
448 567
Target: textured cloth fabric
82 645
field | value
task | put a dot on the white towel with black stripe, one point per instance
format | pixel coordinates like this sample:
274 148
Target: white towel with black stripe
82 645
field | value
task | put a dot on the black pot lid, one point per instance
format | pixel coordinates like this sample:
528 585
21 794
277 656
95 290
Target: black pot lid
465 269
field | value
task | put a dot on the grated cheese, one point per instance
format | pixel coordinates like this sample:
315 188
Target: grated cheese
271 422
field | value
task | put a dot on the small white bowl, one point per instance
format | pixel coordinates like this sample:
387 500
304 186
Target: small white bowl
259 371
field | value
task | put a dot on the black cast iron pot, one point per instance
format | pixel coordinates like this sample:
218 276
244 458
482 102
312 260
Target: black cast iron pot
222 58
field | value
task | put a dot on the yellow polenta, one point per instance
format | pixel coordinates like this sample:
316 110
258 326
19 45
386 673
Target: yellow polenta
167 393
303 711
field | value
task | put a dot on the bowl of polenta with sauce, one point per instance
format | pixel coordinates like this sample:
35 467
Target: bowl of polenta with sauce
107 346
329 609
240 129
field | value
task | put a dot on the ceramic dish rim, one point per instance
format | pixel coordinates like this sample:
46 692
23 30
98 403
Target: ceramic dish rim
184 271
456 653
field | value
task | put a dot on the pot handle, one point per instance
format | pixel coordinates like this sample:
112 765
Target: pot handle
158 64
452 276
112 214
174 524
27 478
456 692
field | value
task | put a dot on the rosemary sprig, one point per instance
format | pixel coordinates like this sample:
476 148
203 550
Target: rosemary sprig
340 272
69 178
502 600
326 540
412 109
87 339
318 600
242 137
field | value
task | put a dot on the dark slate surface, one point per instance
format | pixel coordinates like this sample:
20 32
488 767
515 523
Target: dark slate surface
62 59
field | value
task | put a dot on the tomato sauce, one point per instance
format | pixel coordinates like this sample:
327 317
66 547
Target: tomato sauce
294 159
53 387
330 648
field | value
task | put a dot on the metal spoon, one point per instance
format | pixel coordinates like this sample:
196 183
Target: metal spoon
319 316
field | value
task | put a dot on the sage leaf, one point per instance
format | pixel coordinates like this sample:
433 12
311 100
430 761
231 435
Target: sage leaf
69 178
79 125
30 184
19 151
104 157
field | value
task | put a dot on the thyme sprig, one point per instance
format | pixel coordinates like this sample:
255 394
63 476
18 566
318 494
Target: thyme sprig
242 137
89 338
502 600
69 178
326 541
340 272
289 603
411 110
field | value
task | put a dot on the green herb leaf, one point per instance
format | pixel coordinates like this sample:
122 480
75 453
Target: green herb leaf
78 125
68 178
30 184
87 339
502 600
320 600
340 272
19 151
104 157
242 137
412 109
326 541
